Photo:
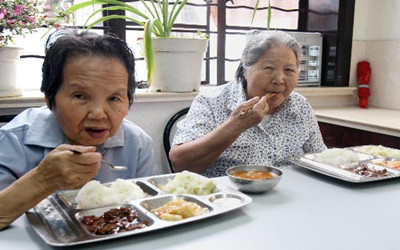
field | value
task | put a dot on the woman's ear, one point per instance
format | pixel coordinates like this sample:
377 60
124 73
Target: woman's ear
46 99
245 74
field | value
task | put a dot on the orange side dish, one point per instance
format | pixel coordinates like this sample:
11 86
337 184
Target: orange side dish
254 175
390 164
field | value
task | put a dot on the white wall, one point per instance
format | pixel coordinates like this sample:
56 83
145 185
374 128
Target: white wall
152 118
376 38
376 20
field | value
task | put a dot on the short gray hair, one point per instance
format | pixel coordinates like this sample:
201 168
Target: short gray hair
259 42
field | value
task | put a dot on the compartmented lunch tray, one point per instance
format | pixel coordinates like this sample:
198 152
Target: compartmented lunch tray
58 221
368 169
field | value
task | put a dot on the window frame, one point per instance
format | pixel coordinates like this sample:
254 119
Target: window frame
342 38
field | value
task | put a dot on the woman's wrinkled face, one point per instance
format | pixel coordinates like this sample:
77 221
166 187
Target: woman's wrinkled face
275 71
92 99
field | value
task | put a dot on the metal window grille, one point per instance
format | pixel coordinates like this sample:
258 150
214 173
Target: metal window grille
335 24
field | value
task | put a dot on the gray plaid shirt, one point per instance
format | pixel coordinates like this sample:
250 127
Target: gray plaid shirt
292 130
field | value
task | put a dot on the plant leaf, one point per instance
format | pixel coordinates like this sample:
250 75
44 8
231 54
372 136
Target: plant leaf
269 15
116 4
148 50
164 13
79 6
106 18
158 28
119 16
153 12
254 11
174 14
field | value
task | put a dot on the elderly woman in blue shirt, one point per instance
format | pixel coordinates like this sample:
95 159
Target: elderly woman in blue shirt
88 83
218 133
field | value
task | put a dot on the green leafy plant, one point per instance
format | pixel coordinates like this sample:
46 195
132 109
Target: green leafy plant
268 16
159 22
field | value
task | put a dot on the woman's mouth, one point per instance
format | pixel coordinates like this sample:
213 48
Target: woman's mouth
271 94
96 133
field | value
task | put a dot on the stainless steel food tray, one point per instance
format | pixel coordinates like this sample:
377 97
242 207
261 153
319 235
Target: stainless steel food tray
307 161
57 220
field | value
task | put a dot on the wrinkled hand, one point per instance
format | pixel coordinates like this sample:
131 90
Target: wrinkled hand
254 116
63 169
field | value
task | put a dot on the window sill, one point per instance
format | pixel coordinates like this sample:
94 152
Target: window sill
14 105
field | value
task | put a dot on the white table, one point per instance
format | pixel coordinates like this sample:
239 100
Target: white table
305 211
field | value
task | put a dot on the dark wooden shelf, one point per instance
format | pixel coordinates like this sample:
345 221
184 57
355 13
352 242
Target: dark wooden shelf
340 136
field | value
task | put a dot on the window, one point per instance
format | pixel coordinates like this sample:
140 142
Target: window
332 18
226 23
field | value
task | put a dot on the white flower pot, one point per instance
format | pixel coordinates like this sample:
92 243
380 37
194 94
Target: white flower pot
177 64
9 57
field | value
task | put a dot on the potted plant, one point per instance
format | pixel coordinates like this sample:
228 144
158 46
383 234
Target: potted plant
18 18
158 42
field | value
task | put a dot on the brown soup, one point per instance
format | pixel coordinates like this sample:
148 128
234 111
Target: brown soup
254 175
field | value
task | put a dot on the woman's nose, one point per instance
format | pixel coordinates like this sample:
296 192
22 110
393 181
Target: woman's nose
97 111
278 78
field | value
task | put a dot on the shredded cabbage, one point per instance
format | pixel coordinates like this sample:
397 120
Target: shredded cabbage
189 183
380 151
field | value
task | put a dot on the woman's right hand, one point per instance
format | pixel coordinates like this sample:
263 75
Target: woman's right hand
252 117
64 169
60 169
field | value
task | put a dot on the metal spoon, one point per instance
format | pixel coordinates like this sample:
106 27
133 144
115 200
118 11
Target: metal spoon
110 165
113 167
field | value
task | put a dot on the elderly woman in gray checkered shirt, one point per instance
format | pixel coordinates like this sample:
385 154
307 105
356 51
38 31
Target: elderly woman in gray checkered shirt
257 118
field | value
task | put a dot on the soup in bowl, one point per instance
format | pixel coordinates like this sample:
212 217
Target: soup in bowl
254 178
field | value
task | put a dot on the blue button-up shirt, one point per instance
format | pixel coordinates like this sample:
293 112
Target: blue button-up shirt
29 137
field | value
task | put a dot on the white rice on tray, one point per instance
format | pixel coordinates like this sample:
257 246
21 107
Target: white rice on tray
336 157
94 194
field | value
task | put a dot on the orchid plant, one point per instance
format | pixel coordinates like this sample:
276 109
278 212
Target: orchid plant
21 17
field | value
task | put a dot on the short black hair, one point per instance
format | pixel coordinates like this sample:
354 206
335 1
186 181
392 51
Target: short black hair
66 43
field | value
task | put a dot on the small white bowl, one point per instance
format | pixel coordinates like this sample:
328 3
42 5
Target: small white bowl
254 186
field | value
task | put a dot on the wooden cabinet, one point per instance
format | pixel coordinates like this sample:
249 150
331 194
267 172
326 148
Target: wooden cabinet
339 136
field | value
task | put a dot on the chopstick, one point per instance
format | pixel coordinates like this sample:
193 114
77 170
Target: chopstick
248 108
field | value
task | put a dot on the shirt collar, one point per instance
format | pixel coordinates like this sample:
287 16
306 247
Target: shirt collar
45 131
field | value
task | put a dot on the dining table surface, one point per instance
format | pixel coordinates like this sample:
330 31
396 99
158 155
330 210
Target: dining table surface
306 210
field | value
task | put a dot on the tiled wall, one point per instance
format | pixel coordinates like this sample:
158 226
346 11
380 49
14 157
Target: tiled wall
384 59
